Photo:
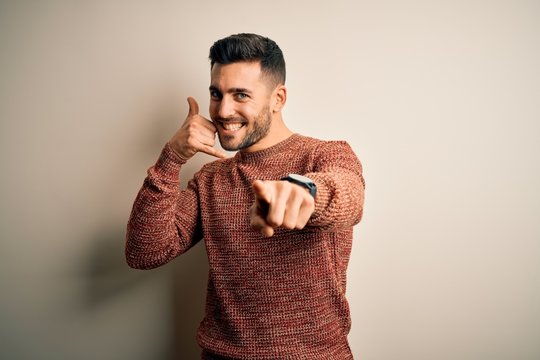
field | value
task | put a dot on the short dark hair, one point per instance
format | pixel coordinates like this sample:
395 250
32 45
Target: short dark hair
250 47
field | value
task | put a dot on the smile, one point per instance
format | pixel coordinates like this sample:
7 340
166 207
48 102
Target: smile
231 126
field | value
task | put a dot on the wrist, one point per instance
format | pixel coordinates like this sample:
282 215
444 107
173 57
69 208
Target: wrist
303 181
172 145
176 152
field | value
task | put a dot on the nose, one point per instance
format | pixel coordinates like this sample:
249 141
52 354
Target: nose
225 107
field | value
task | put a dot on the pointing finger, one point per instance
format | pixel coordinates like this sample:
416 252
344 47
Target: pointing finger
261 191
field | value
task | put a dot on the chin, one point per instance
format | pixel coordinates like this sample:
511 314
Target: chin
230 145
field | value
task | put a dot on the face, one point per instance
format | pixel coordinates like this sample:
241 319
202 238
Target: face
240 99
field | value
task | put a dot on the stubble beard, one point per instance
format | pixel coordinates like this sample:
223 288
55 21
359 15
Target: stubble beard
261 128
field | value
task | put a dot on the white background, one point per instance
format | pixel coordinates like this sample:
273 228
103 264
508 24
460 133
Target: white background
439 99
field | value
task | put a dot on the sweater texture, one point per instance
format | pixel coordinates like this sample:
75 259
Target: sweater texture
281 297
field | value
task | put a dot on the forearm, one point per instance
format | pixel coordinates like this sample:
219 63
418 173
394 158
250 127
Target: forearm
340 188
340 200
156 233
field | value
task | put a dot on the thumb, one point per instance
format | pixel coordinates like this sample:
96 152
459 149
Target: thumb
193 106
261 191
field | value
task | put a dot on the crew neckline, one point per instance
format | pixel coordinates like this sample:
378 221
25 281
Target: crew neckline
269 151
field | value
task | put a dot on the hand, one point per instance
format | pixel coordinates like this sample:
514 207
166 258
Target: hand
280 204
196 134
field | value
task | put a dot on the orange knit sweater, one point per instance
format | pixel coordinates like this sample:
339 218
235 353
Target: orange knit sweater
281 297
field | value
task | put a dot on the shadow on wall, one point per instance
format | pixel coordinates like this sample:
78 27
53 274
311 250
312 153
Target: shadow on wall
108 276
107 273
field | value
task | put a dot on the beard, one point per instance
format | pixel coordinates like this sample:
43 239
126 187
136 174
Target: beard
261 127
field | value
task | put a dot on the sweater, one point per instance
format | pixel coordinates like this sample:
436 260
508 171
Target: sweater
281 297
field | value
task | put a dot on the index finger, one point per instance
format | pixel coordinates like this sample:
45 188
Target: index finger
261 191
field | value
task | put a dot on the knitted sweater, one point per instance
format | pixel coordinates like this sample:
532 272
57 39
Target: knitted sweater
281 297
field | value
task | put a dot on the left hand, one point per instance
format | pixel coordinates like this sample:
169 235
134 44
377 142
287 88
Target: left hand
280 204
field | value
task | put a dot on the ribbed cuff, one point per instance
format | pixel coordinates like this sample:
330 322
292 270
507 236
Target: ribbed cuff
323 197
169 162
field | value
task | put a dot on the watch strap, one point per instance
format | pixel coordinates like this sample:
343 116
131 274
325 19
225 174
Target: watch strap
302 181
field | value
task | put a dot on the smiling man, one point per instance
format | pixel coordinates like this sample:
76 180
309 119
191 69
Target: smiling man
276 219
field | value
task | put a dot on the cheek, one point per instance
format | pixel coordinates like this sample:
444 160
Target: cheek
250 112
212 109
250 117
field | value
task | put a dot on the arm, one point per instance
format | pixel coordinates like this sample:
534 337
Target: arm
340 187
338 203
164 221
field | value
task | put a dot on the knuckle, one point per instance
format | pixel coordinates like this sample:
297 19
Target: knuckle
274 220
300 226
191 141
289 224
283 186
191 126
309 201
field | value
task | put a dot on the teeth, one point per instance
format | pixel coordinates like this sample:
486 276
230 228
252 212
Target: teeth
232 126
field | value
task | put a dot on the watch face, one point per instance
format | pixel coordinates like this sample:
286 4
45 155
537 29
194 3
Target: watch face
300 178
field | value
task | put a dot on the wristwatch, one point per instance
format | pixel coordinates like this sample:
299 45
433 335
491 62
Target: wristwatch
302 181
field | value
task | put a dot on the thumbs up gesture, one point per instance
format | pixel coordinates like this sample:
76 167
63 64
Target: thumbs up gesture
280 204
197 134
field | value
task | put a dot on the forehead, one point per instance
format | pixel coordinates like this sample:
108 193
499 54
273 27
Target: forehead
239 74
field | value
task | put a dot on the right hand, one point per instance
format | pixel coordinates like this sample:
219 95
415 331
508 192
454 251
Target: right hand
280 204
197 134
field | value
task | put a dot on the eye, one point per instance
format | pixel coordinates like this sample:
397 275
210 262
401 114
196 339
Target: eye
214 94
241 96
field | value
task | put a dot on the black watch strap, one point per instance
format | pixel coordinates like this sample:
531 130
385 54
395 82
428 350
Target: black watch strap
302 181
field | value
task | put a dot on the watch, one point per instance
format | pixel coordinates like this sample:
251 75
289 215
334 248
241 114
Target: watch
302 181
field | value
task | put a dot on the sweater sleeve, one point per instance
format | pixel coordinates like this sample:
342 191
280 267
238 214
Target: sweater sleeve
164 221
340 187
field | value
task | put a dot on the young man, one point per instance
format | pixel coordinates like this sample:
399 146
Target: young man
277 218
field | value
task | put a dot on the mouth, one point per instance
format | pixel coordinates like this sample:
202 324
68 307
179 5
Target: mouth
231 126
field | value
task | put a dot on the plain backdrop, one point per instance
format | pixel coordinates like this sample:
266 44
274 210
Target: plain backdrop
439 99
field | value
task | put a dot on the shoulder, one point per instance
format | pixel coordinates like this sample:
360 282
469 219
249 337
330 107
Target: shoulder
325 155
318 146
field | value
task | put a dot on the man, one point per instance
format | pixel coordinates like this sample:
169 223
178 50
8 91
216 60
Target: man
276 219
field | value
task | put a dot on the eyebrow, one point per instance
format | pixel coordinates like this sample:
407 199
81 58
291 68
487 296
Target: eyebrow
231 90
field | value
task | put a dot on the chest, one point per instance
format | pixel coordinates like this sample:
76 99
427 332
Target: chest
227 196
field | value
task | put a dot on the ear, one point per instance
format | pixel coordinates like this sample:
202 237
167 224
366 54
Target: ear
279 98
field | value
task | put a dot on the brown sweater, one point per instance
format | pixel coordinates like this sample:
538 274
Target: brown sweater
281 297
